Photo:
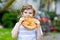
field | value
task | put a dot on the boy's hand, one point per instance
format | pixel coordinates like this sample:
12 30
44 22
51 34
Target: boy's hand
21 19
37 21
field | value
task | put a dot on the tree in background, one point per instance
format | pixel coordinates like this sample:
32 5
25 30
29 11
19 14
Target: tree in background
6 6
48 3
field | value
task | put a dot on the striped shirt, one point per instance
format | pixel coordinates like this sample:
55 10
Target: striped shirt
25 34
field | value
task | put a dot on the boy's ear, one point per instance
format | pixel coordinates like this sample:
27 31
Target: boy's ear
21 14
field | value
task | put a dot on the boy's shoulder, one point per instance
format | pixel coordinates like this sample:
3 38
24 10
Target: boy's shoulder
16 23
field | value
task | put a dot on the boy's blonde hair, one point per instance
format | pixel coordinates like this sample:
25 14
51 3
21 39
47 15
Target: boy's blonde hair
27 7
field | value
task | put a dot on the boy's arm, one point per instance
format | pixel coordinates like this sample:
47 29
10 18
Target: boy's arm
15 30
39 32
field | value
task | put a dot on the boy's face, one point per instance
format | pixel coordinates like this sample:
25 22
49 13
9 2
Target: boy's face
28 13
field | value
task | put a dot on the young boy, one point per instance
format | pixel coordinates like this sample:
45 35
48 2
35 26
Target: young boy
23 33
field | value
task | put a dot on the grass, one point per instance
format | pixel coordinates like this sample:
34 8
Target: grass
5 34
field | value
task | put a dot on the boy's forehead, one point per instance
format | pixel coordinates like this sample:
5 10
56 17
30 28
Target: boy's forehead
28 10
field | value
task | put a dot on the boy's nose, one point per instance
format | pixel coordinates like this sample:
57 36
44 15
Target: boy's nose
28 15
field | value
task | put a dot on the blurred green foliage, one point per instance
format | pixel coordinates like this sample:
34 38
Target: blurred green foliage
9 19
51 14
56 24
42 5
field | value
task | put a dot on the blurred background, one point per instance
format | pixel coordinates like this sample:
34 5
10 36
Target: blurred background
48 13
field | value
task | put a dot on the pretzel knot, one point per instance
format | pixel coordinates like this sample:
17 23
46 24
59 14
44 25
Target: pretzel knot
29 23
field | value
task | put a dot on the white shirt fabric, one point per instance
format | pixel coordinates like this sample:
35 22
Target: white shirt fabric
25 34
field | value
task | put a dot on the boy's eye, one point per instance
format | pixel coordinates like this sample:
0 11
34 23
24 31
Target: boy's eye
30 13
25 12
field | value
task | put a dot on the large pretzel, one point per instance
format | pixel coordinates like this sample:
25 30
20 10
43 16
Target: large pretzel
29 23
